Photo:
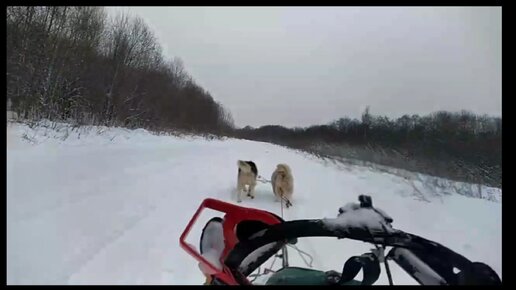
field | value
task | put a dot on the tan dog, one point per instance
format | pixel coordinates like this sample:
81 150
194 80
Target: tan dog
247 173
283 183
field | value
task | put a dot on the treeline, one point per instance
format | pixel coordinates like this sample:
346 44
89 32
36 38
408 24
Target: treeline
460 145
77 64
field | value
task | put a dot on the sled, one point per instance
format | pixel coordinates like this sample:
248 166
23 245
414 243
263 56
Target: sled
233 247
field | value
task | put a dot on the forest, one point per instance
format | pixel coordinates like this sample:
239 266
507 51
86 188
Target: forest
77 65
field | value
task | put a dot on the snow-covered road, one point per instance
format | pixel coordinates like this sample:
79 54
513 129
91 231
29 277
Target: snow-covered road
109 208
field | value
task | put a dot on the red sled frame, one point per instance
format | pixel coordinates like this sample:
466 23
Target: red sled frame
233 216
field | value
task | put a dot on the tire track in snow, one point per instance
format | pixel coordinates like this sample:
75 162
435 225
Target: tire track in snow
107 242
84 192
122 233
147 230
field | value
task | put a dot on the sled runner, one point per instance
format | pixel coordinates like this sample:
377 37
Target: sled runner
233 247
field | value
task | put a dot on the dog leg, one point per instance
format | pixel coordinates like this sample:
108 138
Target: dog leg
251 190
288 203
239 193
279 190
277 196
289 199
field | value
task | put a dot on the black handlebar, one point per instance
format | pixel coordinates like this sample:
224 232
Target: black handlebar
282 232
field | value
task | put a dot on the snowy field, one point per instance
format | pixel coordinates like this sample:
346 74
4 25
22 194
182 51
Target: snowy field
107 205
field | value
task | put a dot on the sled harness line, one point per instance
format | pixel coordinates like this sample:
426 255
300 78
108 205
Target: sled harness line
263 180
284 252
301 253
269 269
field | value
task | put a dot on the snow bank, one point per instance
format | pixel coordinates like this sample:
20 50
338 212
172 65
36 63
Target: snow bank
57 133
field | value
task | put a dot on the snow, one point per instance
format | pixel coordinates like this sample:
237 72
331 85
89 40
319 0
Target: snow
213 243
213 257
353 216
98 205
422 271
252 257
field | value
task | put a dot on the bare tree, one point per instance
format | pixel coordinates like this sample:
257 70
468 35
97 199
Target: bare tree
74 63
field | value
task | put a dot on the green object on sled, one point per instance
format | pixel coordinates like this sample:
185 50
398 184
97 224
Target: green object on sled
301 276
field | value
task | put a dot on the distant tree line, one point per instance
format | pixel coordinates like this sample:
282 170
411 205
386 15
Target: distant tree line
457 145
77 64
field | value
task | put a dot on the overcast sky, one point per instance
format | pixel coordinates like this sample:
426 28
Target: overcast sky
298 66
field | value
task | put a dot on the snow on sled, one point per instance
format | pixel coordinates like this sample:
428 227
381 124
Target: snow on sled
233 247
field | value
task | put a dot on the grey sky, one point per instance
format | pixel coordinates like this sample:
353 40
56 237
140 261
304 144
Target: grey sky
298 66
